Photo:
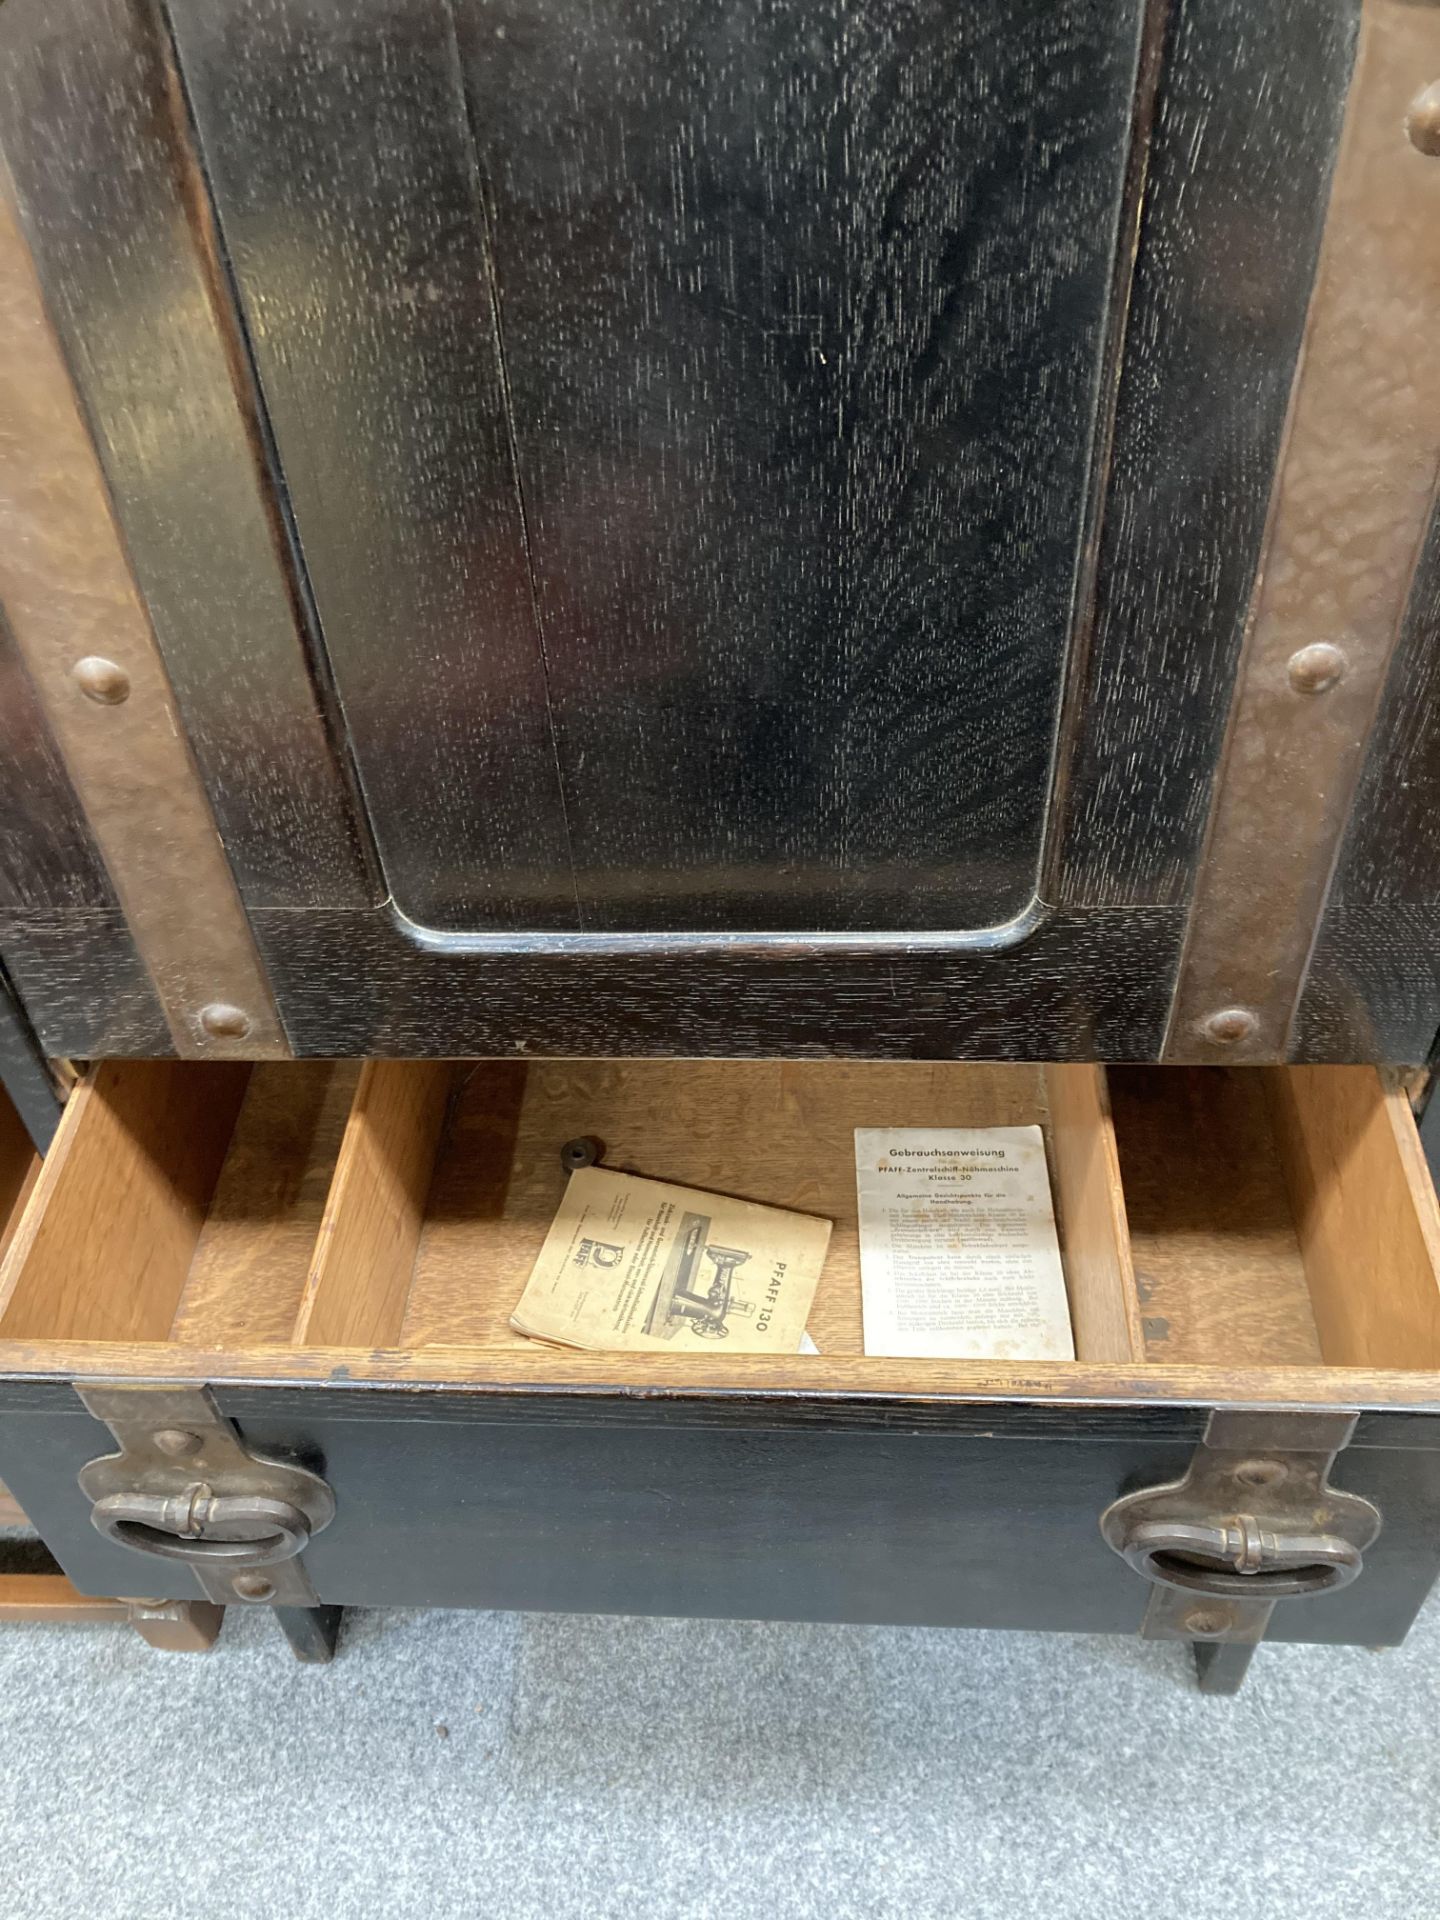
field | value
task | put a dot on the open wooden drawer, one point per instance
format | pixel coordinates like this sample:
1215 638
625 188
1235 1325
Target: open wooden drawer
334 1250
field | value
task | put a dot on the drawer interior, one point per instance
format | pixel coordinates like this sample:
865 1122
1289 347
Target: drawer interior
1222 1219
19 1170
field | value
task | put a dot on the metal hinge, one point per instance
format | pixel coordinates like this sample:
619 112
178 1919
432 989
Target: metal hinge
1254 1520
184 1487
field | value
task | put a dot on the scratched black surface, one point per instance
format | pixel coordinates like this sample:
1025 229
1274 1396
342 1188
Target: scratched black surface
778 1507
1094 985
1373 988
1246 128
98 150
803 310
66 947
334 138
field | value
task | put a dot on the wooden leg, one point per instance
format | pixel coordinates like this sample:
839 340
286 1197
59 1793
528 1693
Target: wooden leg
311 1631
177 1626
1222 1664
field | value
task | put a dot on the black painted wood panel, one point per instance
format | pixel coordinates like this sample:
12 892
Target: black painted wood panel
66 947
735 1507
804 313
803 317
1083 986
95 136
334 138
1247 123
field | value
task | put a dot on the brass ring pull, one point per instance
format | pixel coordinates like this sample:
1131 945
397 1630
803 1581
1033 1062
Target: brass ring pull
248 1530
1236 1557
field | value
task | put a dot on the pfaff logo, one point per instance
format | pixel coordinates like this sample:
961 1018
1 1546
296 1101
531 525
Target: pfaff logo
597 1253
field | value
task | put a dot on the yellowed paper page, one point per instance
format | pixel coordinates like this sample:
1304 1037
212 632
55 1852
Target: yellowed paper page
633 1264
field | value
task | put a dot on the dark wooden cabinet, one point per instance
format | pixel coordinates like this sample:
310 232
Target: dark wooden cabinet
728 529
753 567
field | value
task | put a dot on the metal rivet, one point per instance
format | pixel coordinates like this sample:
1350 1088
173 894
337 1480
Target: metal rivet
1230 1026
253 1586
1260 1473
177 1444
1316 669
587 1151
224 1022
101 680
1422 123
1205 1622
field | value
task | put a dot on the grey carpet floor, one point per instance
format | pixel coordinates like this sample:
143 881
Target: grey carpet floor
503 1766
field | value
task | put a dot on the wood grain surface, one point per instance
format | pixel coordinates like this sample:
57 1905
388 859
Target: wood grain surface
248 1275
345 187
1090 1203
1217 1167
781 1133
754 352
104 1246
804 312
96 135
1365 1208
361 1266
1247 123
1218 1265
50 1597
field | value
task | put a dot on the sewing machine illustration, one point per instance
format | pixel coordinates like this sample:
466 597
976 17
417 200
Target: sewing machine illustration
690 1294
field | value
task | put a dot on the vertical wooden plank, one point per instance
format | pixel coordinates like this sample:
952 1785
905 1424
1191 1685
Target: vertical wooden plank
356 1289
113 201
1104 1310
1250 105
84 634
255 1250
1365 1212
335 143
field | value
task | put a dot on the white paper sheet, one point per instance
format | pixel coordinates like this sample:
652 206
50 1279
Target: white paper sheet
958 1253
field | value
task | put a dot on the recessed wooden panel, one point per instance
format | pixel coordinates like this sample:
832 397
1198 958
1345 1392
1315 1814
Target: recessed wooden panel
717 388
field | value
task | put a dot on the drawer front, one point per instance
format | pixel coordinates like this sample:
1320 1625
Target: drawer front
335 1253
982 1518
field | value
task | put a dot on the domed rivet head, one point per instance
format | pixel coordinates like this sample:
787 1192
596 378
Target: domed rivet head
1316 669
176 1443
101 680
1261 1473
1230 1026
1207 1623
253 1586
224 1022
1422 122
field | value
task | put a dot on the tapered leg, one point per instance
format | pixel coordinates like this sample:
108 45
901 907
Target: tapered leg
177 1626
311 1631
1223 1664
